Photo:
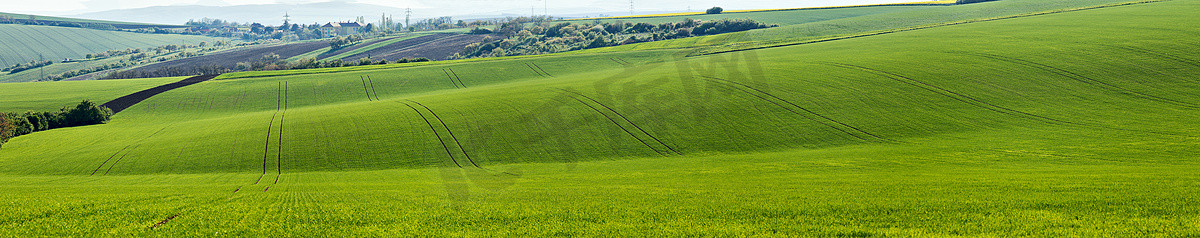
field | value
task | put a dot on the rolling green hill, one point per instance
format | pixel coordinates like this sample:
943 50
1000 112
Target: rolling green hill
118 24
24 43
1072 123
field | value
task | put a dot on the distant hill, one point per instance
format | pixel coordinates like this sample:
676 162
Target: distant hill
271 14
49 20
23 43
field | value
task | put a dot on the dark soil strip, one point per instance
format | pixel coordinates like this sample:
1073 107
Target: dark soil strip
279 151
372 83
797 106
540 68
953 95
451 78
610 119
124 102
365 90
1084 79
163 222
267 145
539 73
460 82
628 121
109 158
435 133
452 137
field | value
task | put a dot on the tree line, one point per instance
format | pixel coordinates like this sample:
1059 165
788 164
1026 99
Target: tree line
545 37
85 113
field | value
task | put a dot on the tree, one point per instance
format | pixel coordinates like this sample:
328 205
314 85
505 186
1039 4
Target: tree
86 113
6 129
715 10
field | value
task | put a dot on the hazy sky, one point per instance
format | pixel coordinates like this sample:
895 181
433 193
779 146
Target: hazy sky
52 7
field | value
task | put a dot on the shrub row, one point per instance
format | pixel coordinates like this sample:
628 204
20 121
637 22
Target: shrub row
27 66
18 124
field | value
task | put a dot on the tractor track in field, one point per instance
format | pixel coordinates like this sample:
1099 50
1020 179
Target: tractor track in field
267 145
618 124
1171 57
923 27
451 78
620 62
369 82
435 133
451 132
279 150
999 109
953 95
540 68
760 94
460 82
539 73
365 90
126 149
1083 79
109 158
628 121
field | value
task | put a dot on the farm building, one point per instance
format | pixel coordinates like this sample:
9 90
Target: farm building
341 28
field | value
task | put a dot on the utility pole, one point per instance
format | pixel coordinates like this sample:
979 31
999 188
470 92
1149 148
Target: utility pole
407 17
43 69
631 7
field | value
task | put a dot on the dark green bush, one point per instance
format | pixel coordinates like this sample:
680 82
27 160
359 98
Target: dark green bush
719 10
86 113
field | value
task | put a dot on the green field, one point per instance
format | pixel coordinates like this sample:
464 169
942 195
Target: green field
1076 123
24 43
77 20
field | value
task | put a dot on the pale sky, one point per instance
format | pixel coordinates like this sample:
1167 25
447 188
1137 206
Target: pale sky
65 7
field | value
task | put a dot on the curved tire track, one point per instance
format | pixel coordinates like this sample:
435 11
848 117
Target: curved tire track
953 95
452 137
1084 79
267 145
435 133
628 121
614 122
752 93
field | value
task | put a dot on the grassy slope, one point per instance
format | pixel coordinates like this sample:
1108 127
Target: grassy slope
65 19
1067 125
783 18
23 43
50 96
850 21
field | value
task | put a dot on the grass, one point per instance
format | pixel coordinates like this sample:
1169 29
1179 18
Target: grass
374 45
23 43
697 14
78 20
1077 123
837 23
50 96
